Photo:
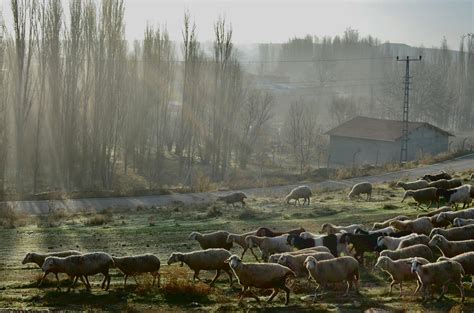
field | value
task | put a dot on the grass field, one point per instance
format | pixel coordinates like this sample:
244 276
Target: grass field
164 230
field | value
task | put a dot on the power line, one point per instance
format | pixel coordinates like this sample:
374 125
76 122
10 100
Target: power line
288 61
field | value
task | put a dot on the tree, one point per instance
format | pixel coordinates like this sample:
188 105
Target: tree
301 132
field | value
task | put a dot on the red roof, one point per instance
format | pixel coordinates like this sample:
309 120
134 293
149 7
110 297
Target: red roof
377 129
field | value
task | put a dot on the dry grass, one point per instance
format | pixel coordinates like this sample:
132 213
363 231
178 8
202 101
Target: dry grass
11 218
177 285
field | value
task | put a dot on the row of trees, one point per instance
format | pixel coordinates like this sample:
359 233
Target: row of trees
79 106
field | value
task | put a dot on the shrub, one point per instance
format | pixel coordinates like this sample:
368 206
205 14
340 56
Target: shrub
213 212
178 287
11 218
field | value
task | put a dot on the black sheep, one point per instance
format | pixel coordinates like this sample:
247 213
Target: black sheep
329 241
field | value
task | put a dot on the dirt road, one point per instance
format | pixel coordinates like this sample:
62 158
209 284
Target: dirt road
41 207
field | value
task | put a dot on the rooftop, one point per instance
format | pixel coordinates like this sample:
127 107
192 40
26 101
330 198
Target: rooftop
377 129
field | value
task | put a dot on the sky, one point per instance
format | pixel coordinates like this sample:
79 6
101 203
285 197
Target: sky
422 22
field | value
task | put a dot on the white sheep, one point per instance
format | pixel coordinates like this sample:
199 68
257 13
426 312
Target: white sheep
392 243
466 260
457 195
80 266
420 239
217 239
263 276
300 192
386 230
421 225
38 259
413 185
425 195
409 252
361 188
207 260
386 223
341 269
459 222
451 248
454 182
399 271
296 262
455 233
436 212
450 216
274 257
334 229
240 240
138 264
269 245
439 274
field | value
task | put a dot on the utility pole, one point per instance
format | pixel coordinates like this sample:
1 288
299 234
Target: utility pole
404 145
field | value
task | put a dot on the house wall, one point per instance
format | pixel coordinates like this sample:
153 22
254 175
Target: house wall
343 151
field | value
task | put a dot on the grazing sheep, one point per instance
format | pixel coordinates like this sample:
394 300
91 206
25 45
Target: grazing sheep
438 274
456 195
333 229
450 216
420 239
435 212
233 198
409 252
296 262
267 232
425 195
451 248
337 270
466 260
208 260
263 276
413 185
420 225
329 241
436 177
38 259
80 266
274 257
399 271
217 239
386 231
459 222
269 245
392 243
455 233
361 188
138 264
301 192
387 222
442 183
240 240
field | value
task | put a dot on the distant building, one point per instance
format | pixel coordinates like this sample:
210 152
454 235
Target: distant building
365 140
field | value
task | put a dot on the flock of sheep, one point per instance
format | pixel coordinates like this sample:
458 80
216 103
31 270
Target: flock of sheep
406 248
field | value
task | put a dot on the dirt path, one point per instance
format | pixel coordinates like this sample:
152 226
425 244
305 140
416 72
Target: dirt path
41 207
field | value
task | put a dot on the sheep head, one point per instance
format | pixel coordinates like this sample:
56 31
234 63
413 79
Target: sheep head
415 265
233 261
283 260
230 238
176 257
407 194
436 241
324 228
458 222
310 263
441 217
28 258
194 235
382 262
49 264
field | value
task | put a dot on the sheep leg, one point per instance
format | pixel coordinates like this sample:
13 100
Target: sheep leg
135 278
243 252
391 287
218 273
156 274
44 276
443 290
287 295
74 280
196 275
125 281
347 288
87 280
418 286
461 290
83 281
253 253
253 295
230 276
274 293
401 290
